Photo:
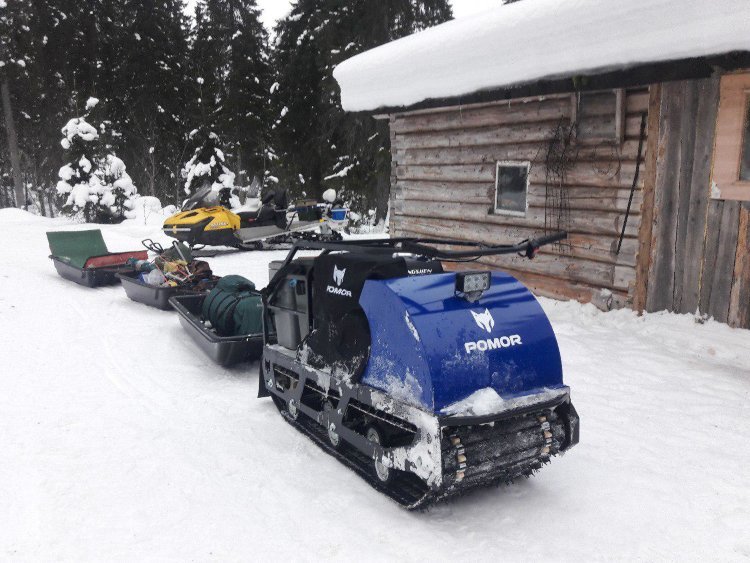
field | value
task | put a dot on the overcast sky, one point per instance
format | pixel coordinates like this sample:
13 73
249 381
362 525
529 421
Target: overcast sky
277 9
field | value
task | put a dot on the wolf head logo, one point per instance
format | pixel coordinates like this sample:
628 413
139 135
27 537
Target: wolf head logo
484 320
338 275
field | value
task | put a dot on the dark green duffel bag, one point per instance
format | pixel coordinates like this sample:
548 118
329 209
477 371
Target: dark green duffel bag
234 307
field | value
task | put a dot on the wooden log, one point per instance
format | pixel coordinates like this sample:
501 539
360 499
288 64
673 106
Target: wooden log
634 91
534 152
739 304
554 288
647 205
506 135
479 105
573 190
499 114
637 101
504 113
591 222
599 109
583 199
561 267
583 175
597 249
541 131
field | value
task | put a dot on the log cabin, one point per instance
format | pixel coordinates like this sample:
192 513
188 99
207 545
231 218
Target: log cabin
625 124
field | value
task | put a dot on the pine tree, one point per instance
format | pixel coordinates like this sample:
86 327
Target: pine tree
319 145
152 80
231 65
13 63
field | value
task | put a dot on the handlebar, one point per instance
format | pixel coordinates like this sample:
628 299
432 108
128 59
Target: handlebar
548 239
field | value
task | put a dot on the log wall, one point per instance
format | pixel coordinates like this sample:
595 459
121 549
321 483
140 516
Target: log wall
682 250
443 184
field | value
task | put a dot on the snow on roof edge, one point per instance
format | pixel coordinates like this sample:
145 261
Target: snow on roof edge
459 57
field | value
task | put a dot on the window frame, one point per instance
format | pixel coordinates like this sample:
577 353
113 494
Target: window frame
729 139
518 164
618 138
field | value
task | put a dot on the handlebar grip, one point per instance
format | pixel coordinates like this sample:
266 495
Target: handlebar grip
549 239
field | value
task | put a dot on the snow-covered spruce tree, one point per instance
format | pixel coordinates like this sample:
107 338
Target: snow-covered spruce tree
230 56
319 146
122 188
207 167
152 103
93 182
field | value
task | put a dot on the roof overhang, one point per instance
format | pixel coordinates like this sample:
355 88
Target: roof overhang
641 75
546 45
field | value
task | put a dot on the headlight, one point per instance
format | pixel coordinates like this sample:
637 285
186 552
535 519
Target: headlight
472 285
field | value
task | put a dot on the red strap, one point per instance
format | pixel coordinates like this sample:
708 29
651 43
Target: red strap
116 259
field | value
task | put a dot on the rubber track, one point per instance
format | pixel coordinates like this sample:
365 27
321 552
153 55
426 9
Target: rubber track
406 489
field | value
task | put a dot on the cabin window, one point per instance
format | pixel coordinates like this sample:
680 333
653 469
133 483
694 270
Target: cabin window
731 165
599 116
511 187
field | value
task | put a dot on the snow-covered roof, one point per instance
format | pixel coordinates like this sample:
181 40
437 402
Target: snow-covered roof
531 40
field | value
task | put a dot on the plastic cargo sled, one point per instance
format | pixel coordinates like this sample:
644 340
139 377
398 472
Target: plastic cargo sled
142 291
83 257
151 295
224 350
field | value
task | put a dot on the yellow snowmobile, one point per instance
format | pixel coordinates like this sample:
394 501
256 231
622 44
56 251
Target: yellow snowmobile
271 223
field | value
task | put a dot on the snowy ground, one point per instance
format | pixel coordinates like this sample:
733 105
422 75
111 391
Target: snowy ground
119 441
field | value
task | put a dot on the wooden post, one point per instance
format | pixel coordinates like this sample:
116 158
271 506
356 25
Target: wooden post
15 157
391 214
643 260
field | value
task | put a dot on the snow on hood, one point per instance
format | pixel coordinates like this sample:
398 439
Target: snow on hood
534 39
487 402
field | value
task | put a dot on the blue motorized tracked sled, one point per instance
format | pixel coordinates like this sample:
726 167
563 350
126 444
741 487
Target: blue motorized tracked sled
427 383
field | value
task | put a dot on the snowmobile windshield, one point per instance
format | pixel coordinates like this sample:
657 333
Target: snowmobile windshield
201 198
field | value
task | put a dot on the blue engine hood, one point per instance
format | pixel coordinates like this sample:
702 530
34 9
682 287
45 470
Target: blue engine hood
433 349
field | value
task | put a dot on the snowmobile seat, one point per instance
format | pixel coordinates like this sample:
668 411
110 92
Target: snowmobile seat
281 199
264 215
342 334
248 215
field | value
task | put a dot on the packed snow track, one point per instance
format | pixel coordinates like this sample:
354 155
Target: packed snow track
121 441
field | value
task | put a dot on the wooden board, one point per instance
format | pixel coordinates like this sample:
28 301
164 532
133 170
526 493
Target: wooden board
729 137
691 234
739 304
647 205
720 258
